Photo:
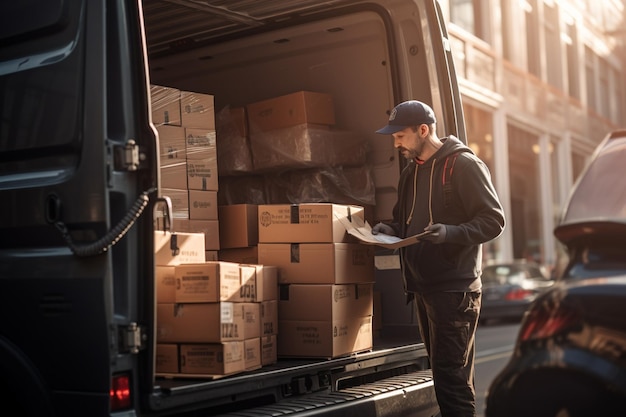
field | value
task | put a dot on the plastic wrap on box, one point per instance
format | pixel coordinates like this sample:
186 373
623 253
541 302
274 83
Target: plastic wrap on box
341 185
165 105
247 189
306 146
233 144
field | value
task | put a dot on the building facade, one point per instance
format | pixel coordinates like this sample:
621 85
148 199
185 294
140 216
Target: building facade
542 82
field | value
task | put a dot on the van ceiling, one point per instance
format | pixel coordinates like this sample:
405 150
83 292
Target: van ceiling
199 22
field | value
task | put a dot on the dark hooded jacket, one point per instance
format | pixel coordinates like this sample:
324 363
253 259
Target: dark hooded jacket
454 188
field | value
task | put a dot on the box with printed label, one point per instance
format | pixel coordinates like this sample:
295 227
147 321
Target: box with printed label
199 322
269 354
178 248
200 144
319 263
202 174
171 144
202 205
197 110
212 359
239 225
251 320
259 282
324 339
207 282
180 202
174 175
289 110
165 277
252 355
165 105
167 356
305 223
269 317
321 302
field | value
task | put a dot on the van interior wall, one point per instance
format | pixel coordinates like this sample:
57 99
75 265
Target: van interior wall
345 56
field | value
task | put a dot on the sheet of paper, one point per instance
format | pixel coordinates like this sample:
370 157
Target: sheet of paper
362 230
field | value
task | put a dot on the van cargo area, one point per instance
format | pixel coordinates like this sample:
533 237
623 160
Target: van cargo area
253 51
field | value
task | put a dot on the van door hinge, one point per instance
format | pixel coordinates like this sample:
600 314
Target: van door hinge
127 156
132 338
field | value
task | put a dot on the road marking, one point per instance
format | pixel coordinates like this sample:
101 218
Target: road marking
493 354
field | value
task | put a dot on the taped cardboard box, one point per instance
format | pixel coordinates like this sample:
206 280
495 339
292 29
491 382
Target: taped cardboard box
199 322
197 110
319 263
178 248
233 143
165 102
305 223
290 110
239 225
207 282
212 359
252 353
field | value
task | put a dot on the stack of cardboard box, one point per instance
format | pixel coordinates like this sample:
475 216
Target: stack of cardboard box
185 121
326 279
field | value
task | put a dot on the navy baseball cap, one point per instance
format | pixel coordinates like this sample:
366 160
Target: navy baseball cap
406 114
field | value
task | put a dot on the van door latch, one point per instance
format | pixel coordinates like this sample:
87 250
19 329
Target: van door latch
127 156
132 338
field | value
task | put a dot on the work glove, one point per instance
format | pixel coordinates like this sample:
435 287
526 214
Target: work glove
383 228
438 233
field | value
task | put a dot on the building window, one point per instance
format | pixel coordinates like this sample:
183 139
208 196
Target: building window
525 195
533 55
553 45
471 16
590 78
571 50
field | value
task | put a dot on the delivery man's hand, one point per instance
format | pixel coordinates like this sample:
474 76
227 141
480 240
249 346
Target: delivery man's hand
438 233
383 228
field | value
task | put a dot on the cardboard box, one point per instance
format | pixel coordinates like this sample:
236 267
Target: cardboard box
212 359
165 105
167 357
251 320
171 145
269 352
320 302
180 202
174 175
165 277
239 225
290 110
201 174
269 317
307 146
210 229
178 248
211 255
199 322
207 282
252 353
200 143
241 255
305 223
319 263
197 110
202 205
324 339
259 282
233 145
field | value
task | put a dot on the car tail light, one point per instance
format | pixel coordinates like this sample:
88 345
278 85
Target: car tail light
518 294
543 322
120 394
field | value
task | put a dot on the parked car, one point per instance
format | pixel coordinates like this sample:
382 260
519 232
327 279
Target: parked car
570 354
509 288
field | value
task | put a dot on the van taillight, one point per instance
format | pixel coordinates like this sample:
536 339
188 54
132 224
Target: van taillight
120 392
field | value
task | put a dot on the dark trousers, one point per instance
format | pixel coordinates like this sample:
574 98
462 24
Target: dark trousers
447 323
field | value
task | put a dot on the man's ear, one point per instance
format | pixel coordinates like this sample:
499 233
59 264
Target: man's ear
423 129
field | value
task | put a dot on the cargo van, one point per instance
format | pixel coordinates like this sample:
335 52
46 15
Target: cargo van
81 191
